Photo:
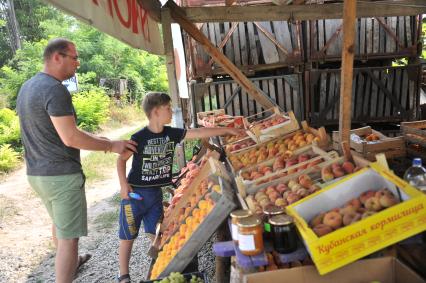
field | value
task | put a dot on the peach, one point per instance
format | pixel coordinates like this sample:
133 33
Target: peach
314 188
303 158
351 217
349 208
366 195
296 187
373 204
335 166
322 229
338 172
281 202
305 182
317 219
286 193
348 167
291 162
355 203
333 219
326 174
292 197
388 200
302 192
292 183
281 188
383 192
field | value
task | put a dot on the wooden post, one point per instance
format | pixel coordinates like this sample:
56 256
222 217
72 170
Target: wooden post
171 75
257 94
349 13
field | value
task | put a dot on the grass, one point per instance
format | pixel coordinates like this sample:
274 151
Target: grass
97 165
108 220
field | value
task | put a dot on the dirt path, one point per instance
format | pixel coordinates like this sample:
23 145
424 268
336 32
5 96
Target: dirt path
25 246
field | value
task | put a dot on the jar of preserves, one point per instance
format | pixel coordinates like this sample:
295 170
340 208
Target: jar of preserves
268 212
235 217
284 234
250 240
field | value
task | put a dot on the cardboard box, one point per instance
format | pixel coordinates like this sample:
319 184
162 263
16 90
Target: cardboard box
383 270
364 237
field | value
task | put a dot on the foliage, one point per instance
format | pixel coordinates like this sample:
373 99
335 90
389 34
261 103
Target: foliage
9 127
92 109
9 158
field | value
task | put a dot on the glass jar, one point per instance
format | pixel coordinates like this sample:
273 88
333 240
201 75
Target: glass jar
250 240
235 217
268 212
284 234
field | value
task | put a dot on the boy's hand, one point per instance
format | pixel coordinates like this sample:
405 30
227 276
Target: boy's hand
125 190
235 131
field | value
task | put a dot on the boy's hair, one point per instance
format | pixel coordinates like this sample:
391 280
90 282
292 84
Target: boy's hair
60 45
154 99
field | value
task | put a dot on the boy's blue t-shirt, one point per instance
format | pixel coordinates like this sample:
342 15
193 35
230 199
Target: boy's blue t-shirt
152 164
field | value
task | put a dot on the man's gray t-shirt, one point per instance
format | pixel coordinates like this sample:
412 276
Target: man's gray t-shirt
40 97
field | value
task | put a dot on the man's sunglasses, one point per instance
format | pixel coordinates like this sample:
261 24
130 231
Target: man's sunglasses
75 58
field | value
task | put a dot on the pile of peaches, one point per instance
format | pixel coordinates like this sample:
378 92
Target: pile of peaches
223 120
367 204
283 194
337 170
281 162
271 149
269 122
239 145
231 139
174 243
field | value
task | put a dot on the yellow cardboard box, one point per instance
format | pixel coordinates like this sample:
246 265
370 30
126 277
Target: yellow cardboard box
364 237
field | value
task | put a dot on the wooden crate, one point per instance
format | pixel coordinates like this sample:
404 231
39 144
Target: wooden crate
211 167
323 142
415 138
224 204
391 147
243 184
287 127
313 172
234 121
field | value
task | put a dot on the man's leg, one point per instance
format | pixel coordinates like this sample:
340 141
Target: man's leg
54 239
66 260
124 253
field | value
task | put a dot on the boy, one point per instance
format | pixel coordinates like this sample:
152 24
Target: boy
151 170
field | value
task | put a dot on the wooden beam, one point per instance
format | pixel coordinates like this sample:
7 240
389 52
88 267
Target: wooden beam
173 84
302 12
219 58
153 7
348 50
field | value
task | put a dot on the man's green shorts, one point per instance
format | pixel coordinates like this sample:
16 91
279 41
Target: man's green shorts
65 200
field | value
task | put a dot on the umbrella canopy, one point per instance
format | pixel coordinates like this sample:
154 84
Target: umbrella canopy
126 20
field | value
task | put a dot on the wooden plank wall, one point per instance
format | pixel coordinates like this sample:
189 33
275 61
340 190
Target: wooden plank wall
381 94
245 44
381 37
285 90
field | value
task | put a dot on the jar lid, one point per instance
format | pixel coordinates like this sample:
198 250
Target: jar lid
241 213
272 209
281 219
250 221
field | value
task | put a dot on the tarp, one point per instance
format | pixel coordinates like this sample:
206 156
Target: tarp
125 20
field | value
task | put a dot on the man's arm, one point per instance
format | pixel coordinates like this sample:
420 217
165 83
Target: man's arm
201 133
73 137
121 171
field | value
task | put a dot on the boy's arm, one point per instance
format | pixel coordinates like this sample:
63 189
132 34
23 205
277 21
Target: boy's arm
125 188
201 133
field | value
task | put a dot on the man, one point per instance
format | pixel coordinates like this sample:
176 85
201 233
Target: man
52 141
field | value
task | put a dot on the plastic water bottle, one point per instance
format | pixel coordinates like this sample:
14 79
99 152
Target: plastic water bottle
416 175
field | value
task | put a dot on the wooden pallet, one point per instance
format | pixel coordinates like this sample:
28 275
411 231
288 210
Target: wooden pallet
391 147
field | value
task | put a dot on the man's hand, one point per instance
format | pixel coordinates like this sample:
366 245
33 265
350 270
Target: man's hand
123 145
235 131
125 190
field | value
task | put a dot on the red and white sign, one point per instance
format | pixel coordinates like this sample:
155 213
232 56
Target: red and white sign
125 20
